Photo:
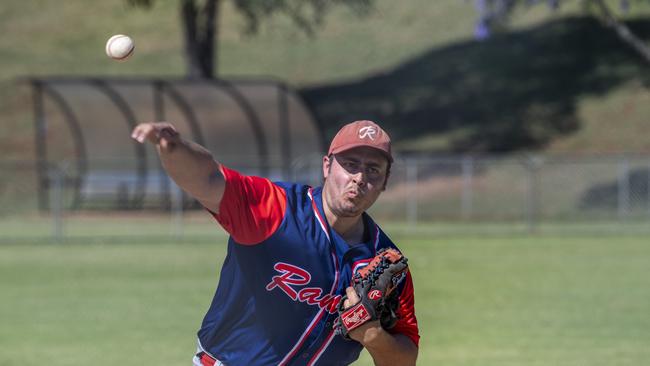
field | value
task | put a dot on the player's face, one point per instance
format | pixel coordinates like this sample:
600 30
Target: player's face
353 180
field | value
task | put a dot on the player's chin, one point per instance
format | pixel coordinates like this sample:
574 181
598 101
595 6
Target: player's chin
349 209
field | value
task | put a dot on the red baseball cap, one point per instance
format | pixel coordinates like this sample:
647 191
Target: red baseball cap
361 133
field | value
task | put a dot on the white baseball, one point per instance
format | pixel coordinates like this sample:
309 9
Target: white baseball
119 47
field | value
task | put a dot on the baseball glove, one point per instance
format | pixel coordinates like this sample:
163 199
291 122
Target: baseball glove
375 285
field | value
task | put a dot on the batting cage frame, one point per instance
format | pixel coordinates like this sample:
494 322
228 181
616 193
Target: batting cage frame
281 103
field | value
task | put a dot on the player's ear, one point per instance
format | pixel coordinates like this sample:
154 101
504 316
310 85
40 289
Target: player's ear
327 165
387 176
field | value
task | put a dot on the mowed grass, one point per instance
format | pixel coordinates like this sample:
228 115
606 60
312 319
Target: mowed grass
480 301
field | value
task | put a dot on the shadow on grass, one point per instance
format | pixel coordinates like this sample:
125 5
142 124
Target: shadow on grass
514 91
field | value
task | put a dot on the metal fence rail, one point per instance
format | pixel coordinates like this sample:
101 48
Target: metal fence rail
79 121
455 194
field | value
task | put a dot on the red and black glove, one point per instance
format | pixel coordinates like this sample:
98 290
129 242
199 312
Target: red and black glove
375 285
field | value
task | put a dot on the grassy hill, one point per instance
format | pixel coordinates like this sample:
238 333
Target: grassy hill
521 90
53 38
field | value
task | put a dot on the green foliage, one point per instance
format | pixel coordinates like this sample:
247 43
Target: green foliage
140 3
308 15
202 23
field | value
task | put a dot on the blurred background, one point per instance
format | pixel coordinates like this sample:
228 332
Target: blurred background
509 115
519 129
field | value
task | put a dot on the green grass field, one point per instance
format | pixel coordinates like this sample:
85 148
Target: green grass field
571 295
480 301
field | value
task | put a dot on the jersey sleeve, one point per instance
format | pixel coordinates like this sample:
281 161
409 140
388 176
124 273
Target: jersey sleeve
407 324
251 209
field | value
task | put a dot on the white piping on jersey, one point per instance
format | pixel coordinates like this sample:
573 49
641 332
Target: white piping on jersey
199 348
314 321
322 348
324 226
376 237
319 315
320 219
330 337
360 265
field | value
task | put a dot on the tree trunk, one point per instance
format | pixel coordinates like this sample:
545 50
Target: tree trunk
200 26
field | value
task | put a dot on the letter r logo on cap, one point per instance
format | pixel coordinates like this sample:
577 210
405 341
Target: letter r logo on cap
367 131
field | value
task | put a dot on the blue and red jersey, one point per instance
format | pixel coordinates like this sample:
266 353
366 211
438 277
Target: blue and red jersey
283 277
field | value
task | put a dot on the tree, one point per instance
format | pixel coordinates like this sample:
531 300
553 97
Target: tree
200 20
494 15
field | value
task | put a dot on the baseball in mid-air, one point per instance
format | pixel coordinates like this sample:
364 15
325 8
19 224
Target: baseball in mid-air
119 47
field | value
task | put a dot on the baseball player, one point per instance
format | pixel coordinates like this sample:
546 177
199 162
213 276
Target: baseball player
285 294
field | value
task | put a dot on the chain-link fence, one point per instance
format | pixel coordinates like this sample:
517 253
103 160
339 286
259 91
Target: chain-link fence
456 194
527 193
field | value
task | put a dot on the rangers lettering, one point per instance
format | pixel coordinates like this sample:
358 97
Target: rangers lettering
290 275
331 301
294 275
309 295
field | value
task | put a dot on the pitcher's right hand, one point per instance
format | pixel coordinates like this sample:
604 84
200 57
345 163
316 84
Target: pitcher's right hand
163 134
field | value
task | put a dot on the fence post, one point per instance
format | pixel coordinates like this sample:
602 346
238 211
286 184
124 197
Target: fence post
56 202
39 143
176 210
623 188
412 182
533 200
467 195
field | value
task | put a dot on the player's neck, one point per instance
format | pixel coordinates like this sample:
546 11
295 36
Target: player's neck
351 229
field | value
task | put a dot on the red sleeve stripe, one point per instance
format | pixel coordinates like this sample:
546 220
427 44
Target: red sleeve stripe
407 323
252 208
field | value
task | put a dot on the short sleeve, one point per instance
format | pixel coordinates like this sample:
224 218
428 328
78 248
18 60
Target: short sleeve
407 323
252 208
